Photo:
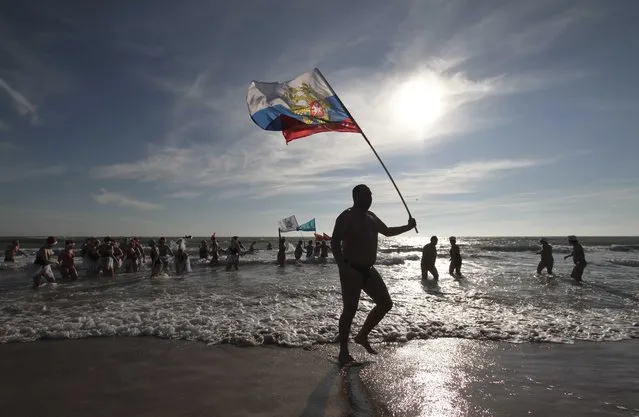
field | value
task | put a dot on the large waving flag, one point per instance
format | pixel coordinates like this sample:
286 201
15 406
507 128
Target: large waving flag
288 224
300 107
309 226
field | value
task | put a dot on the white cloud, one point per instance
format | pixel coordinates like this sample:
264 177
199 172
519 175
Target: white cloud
108 197
9 174
21 103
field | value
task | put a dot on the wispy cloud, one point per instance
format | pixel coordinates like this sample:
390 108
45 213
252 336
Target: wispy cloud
185 194
10 174
7 146
121 200
21 103
198 152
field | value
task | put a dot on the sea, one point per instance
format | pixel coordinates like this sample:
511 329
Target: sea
499 298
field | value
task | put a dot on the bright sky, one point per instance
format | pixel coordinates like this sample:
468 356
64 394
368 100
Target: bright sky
494 117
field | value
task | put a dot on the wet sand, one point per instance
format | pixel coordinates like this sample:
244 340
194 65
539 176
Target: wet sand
450 377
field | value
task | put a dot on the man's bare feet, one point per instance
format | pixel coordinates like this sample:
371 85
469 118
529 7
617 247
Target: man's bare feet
363 341
345 359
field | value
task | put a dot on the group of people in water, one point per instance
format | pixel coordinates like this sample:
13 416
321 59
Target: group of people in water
429 256
108 256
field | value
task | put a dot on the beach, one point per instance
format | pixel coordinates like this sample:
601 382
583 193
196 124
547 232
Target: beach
147 376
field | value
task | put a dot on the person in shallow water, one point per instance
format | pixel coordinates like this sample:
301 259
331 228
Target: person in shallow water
309 250
215 250
281 253
299 250
233 253
324 251
204 250
43 262
547 261
429 256
354 246
251 248
455 258
107 259
579 258
162 260
66 259
12 250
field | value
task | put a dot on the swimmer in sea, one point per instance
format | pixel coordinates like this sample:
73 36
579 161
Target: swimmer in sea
12 250
455 258
354 246
579 258
547 261
43 262
299 250
66 260
429 256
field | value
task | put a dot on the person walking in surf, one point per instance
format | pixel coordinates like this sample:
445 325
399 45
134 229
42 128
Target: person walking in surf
429 256
66 259
354 246
579 258
281 253
12 250
299 250
547 261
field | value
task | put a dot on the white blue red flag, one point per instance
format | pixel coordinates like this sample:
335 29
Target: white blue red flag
300 107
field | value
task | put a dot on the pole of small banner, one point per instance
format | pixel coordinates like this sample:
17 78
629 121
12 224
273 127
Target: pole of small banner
367 141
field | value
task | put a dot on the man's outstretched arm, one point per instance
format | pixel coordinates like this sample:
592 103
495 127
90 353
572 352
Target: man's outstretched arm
394 231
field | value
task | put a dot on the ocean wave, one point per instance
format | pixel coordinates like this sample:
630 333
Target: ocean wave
625 262
624 248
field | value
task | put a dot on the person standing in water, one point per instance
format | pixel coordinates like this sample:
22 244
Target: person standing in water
429 256
455 258
43 262
107 258
323 251
215 250
66 259
299 250
281 253
579 258
251 248
182 261
204 250
164 251
547 261
309 250
233 254
12 250
354 246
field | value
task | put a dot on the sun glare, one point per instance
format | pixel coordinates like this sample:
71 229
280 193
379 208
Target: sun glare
419 102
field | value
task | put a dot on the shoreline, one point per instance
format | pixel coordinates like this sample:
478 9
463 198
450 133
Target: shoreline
446 376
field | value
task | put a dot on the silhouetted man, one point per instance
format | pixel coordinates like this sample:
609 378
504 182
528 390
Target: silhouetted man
429 256
547 261
455 258
578 257
354 246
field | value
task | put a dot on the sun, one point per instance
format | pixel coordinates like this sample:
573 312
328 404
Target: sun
419 102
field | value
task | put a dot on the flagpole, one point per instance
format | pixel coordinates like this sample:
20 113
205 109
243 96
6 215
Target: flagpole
367 141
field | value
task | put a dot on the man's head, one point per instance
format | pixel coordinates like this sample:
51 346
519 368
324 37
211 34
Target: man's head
433 240
572 239
452 239
362 197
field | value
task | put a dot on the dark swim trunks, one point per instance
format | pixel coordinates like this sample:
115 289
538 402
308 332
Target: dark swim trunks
364 270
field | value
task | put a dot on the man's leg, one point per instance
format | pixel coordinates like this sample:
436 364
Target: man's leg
433 270
351 283
376 289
